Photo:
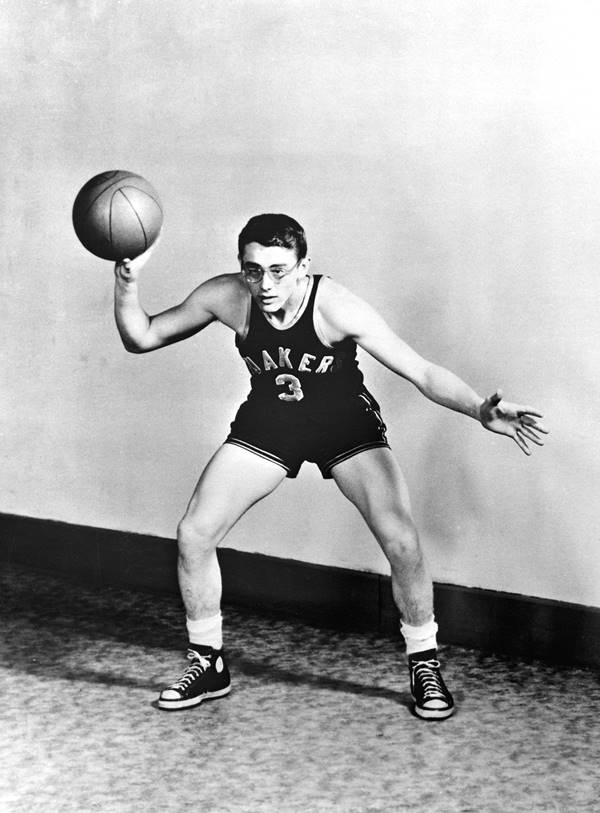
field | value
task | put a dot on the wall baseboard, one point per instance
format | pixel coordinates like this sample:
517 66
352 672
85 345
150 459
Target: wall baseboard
519 626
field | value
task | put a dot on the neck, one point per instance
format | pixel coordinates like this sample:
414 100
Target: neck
293 305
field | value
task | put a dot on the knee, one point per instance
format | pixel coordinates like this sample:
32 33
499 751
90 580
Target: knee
399 537
197 536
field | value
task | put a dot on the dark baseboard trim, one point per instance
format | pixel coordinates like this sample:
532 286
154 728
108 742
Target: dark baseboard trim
520 626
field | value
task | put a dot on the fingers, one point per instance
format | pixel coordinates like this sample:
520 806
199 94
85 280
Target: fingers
527 420
123 269
527 417
519 422
533 424
529 411
521 442
523 434
528 433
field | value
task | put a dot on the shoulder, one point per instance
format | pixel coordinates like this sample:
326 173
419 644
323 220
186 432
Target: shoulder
341 312
334 296
220 291
225 297
224 286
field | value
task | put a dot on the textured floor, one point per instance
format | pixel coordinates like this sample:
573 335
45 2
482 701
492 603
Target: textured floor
317 721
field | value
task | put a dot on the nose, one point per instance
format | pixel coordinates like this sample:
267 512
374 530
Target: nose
266 282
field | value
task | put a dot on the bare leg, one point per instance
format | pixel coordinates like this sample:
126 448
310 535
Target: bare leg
374 482
233 481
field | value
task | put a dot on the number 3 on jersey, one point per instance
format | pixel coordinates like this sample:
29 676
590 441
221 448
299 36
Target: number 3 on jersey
295 388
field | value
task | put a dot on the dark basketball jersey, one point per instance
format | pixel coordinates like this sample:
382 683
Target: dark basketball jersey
292 367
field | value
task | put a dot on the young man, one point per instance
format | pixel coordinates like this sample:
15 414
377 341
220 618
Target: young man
298 334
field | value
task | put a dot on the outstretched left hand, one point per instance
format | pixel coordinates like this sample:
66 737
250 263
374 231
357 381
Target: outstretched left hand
517 422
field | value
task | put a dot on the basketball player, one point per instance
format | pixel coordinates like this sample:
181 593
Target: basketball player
297 334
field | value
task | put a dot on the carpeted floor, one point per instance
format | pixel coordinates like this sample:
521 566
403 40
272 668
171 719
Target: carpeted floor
317 721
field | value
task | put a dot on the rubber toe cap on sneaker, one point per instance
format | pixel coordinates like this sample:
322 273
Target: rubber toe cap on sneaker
170 694
435 704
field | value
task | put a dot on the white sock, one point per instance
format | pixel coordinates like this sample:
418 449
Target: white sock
206 631
421 638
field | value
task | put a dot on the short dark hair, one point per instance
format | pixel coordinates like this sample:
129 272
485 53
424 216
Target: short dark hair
273 230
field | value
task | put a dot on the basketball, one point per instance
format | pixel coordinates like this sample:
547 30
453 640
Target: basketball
117 214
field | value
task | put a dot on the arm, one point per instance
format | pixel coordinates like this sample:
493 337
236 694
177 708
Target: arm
141 332
348 316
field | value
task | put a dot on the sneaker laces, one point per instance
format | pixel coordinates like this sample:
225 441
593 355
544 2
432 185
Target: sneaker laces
429 677
199 665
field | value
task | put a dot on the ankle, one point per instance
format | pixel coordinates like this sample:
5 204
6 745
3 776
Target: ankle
206 632
421 638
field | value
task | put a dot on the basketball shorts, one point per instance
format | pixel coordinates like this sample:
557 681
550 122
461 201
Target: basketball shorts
290 435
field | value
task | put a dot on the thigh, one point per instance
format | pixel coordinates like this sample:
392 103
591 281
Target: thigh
374 482
233 480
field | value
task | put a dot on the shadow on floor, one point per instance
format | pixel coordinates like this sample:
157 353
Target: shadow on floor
68 630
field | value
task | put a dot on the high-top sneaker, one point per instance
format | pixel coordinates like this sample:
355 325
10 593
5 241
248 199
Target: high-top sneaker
433 701
206 677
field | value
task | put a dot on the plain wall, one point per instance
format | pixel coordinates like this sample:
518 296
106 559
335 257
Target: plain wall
443 157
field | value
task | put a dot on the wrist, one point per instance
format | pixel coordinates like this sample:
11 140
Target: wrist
477 410
126 287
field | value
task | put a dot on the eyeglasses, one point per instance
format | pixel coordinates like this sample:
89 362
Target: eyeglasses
255 273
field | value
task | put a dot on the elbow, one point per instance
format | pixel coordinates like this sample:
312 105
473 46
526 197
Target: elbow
428 375
423 377
133 347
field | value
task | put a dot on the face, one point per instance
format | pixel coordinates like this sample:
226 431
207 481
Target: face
274 276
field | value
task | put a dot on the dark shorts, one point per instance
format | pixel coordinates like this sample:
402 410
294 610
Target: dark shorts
291 435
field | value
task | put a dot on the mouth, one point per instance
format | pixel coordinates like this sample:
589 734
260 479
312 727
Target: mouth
267 300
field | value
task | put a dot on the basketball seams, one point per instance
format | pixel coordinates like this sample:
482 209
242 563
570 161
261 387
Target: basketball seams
108 225
103 190
145 192
110 218
128 186
139 219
